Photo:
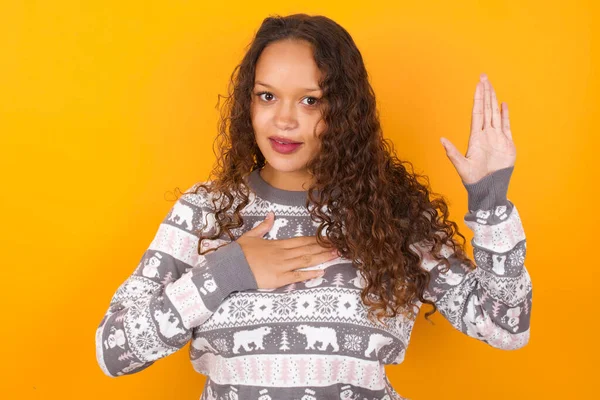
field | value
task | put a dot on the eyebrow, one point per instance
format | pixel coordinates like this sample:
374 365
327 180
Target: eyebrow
269 86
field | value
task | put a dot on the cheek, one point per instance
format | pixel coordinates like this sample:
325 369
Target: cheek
259 121
320 127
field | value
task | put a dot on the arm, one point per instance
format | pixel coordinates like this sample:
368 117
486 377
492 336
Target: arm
493 302
172 290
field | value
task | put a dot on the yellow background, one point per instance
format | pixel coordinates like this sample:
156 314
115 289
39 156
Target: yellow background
107 106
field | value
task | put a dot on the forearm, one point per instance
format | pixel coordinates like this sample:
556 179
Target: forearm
147 321
493 302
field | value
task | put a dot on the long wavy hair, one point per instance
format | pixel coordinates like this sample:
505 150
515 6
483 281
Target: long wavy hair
371 208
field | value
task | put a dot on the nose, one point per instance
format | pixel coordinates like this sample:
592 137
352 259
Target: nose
285 117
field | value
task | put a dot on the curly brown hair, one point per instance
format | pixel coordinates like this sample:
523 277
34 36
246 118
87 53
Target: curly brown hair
376 208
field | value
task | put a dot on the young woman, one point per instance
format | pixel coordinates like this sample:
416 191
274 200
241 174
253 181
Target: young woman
297 272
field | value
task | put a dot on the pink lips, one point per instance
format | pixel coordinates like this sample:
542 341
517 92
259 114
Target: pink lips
284 148
283 140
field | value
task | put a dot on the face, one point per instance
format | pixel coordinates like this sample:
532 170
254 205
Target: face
286 103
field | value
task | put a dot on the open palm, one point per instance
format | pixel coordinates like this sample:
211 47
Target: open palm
490 145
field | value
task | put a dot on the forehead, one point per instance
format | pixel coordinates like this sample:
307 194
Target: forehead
288 65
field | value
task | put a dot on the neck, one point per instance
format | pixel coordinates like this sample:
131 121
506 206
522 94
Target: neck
294 180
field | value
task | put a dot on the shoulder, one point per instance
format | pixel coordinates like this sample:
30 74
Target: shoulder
198 194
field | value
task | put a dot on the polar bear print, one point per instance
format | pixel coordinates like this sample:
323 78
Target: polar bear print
245 338
498 262
376 342
151 266
314 282
182 214
358 281
327 336
279 223
167 328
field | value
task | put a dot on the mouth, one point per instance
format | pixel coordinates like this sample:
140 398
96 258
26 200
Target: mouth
283 140
284 148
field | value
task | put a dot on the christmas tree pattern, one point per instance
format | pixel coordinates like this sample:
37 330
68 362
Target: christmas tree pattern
338 280
284 346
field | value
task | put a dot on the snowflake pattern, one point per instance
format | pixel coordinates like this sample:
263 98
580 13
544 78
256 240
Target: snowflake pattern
241 308
326 303
481 257
361 311
509 289
284 306
352 342
144 340
517 257
136 310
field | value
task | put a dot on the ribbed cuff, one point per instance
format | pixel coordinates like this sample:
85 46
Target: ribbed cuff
230 269
490 191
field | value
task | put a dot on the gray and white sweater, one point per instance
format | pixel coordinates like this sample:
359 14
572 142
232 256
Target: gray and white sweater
310 340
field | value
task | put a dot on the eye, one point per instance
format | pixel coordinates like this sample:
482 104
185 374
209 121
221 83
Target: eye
314 99
259 94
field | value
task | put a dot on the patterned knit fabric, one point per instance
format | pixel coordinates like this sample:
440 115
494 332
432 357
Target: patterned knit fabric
309 340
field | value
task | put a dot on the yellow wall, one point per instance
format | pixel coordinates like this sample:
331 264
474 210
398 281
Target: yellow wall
105 106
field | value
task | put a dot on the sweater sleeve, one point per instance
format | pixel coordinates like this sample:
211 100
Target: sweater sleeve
172 290
491 303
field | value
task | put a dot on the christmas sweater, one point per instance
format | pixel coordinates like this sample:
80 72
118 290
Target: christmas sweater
309 340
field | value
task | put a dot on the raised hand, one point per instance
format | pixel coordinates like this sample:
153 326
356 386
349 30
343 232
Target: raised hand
490 145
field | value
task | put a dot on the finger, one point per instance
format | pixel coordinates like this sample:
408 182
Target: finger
495 109
457 159
299 276
506 121
477 117
296 242
265 226
314 248
487 103
308 260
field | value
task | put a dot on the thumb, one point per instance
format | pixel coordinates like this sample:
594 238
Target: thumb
265 226
453 154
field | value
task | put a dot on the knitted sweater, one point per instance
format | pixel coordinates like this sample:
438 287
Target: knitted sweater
309 340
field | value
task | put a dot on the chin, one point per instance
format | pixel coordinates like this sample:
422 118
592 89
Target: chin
285 165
